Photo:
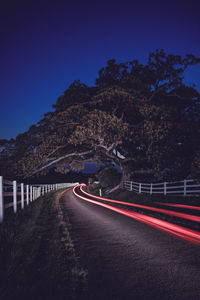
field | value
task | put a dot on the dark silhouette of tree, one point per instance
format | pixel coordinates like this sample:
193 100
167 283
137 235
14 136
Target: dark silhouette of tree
141 117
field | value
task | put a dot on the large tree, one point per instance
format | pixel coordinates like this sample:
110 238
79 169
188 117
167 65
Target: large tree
141 117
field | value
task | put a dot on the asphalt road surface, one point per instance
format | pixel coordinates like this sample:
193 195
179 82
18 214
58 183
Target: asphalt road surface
127 259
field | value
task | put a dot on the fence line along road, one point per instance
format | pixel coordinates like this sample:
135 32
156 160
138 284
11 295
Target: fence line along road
13 194
183 187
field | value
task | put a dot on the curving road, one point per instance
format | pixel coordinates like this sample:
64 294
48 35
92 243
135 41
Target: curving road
127 259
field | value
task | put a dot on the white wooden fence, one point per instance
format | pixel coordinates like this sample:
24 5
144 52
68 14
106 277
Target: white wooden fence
183 187
16 195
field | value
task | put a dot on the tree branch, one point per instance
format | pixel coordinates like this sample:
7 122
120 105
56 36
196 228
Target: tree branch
57 148
60 159
159 88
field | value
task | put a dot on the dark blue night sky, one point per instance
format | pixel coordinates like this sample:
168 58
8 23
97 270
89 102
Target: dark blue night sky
46 45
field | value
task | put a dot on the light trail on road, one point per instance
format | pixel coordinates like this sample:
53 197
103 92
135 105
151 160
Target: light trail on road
180 205
182 232
164 211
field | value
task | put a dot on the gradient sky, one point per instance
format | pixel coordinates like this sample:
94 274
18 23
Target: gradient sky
46 45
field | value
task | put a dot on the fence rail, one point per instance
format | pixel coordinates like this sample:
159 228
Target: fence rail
16 195
183 187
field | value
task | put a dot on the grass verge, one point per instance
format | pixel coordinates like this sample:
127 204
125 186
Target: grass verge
37 256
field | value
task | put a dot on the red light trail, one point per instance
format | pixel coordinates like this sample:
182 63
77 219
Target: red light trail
182 232
164 211
181 205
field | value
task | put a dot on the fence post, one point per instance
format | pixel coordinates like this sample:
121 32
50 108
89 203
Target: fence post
140 188
31 193
15 196
27 194
185 187
100 193
165 188
151 189
131 186
1 199
22 196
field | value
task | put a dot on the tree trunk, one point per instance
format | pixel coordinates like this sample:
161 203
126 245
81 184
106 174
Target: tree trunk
125 175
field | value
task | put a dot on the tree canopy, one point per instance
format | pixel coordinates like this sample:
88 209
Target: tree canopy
142 117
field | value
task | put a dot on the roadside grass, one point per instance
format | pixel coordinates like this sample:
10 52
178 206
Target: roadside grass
37 257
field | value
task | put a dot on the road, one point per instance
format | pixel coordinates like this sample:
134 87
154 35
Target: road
127 259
